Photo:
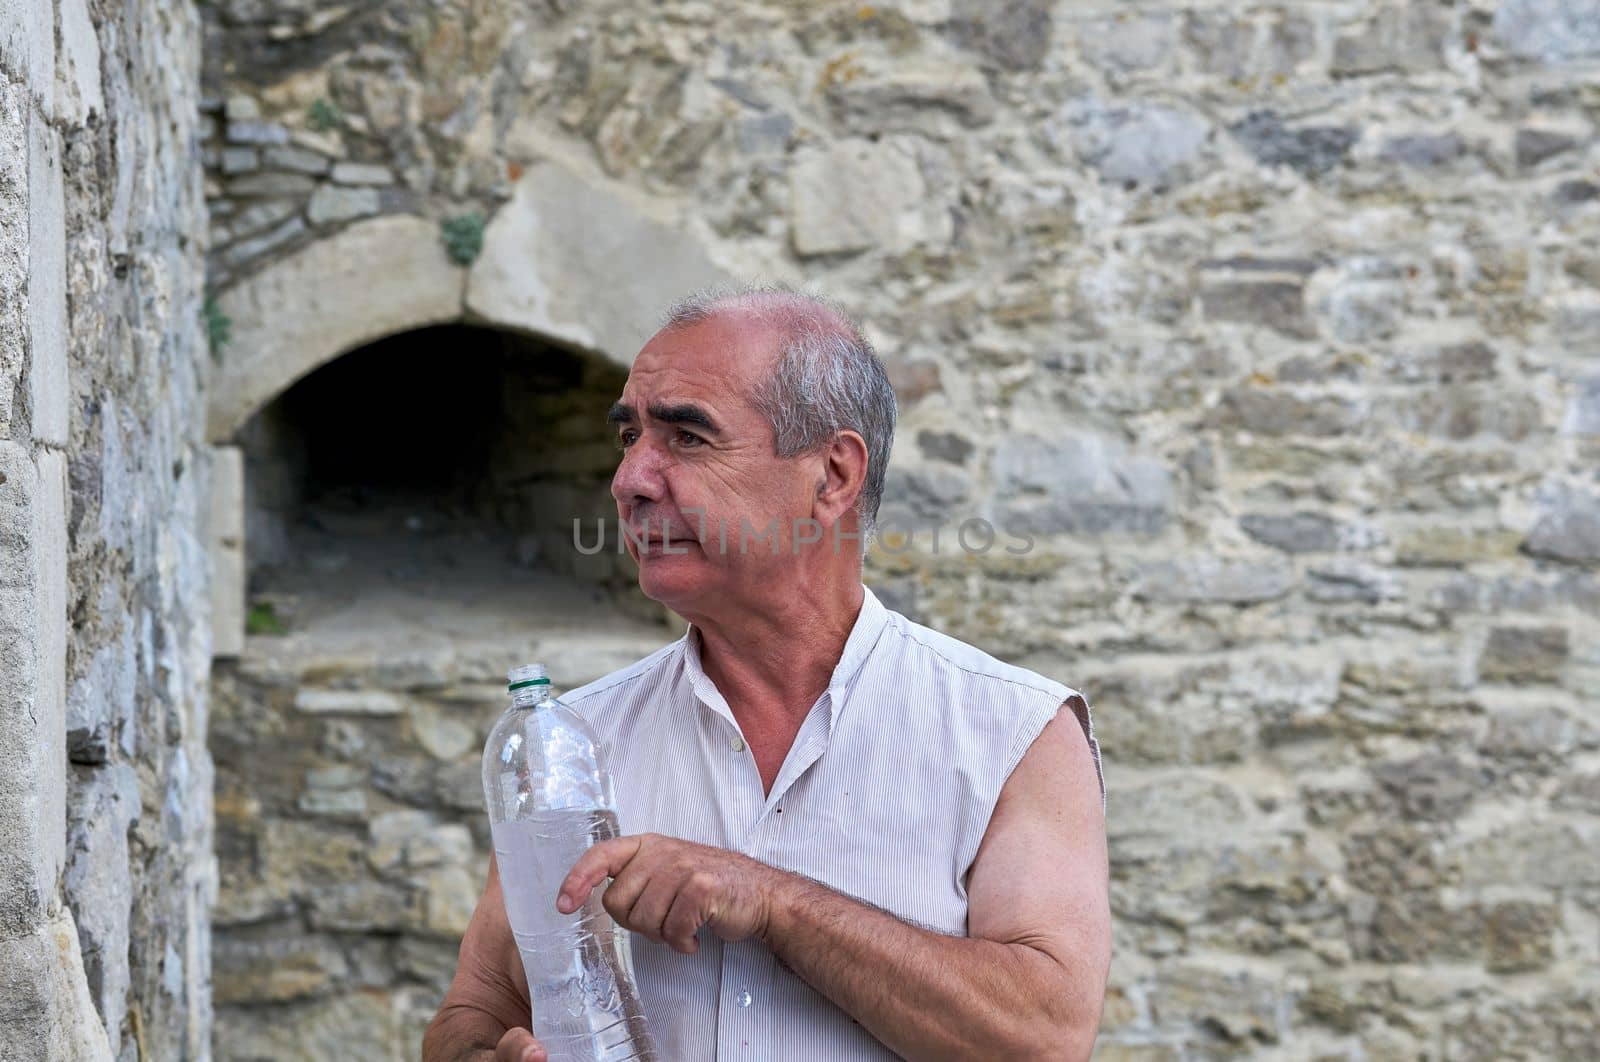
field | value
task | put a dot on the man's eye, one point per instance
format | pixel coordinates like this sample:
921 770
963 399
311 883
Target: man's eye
626 439
687 438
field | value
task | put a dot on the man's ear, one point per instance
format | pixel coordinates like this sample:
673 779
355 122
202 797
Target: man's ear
844 473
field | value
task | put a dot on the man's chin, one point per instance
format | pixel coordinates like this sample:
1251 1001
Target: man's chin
672 577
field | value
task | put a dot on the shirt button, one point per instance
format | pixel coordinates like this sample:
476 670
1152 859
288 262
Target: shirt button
744 998
738 744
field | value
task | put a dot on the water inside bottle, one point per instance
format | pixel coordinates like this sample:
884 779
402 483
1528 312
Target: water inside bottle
582 1012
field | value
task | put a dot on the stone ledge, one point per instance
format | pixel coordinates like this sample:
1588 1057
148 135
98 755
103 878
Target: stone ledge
32 676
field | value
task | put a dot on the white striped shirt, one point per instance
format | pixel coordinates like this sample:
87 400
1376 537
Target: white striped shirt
885 796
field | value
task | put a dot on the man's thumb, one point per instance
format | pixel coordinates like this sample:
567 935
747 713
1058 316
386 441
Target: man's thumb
518 1045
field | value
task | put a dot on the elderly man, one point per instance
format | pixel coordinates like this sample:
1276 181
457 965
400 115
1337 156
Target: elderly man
846 836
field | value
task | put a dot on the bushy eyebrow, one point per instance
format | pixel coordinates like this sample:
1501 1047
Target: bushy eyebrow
681 413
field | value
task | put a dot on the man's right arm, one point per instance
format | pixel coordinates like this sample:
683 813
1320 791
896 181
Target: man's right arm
485 1015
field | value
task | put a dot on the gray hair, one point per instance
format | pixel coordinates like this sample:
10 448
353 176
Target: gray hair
827 379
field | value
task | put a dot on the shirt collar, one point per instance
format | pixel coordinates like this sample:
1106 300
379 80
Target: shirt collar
864 634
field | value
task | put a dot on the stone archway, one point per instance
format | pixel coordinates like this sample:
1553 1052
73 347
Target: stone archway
351 840
570 259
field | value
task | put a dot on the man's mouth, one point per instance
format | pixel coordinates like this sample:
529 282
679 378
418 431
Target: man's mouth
657 541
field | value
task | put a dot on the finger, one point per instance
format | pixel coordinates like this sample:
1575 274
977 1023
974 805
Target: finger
624 892
683 921
647 913
518 1045
603 860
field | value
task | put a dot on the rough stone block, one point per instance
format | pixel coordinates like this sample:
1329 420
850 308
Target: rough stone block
28 47
913 379
1310 150
930 496
1079 483
50 561
1276 304
1011 36
1430 787
1129 43
1533 146
47 287
362 173
1568 528
1549 31
320 1027
1274 412
1583 409
1519 935
1404 37
245 250
254 132
259 216
227 551
446 844
1423 150
46 1013
1350 579
14 111
1302 532
32 694
1524 654
1552 854
1209 578
854 195
945 446
549 264
391 832
334 803
440 733
105 803
240 160
1149 146
105 687
366 906
274 969
252 185
78 91
295 160
333 203
347 702
906 97
241 108
1240 1005
451 895
766 133
1222 42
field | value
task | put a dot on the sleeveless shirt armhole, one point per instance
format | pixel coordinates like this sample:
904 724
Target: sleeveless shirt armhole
1033 723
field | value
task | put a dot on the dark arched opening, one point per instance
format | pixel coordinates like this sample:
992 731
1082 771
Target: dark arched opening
408 534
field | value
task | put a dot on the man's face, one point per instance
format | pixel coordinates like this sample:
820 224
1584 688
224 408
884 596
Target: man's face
697 458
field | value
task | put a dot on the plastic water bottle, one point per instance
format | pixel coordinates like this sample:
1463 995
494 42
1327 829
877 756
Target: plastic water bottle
549 798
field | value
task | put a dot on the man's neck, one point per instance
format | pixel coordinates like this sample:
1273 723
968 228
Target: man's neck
777 660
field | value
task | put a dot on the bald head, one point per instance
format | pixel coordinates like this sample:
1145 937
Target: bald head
825 379
786 312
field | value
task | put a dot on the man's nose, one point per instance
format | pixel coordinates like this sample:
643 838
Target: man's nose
638 477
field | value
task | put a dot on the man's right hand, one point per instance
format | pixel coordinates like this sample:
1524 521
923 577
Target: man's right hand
488 1000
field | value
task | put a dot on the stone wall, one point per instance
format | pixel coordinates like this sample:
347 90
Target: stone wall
105 848
1271 327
